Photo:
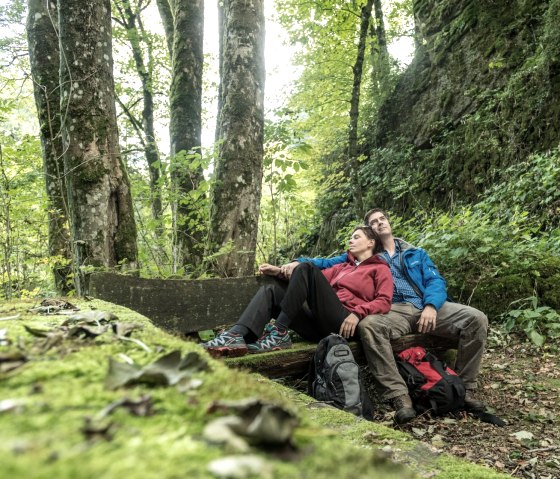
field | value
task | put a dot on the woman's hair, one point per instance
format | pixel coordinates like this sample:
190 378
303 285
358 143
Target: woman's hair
370 234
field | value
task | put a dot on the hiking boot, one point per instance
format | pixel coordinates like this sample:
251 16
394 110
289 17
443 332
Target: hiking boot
404 411
272 340
226 344
472 402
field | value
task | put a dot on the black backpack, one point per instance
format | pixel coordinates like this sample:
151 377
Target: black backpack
334 377
431 384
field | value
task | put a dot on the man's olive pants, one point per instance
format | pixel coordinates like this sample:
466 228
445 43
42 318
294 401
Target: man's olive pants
454 320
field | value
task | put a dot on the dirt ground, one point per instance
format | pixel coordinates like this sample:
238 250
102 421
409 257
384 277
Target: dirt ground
520 384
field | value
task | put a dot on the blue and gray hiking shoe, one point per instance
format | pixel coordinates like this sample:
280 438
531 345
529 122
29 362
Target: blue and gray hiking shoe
226 344
272 340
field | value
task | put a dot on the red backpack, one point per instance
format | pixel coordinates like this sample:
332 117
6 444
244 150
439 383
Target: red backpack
431 384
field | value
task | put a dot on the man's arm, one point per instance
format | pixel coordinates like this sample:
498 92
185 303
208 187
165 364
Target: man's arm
321 263
435 287
435 294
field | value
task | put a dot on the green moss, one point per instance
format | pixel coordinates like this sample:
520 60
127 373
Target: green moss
65 385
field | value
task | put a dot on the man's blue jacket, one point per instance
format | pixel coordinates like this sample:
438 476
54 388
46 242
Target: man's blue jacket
418 268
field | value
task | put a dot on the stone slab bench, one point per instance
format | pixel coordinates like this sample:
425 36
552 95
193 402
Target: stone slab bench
184 307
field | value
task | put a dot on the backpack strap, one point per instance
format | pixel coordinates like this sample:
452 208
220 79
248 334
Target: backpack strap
489 418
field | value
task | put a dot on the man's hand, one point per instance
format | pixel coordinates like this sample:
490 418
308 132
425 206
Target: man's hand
269 270
348 326
427 321
287 269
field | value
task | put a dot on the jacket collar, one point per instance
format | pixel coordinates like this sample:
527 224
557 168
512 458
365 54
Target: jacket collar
403 245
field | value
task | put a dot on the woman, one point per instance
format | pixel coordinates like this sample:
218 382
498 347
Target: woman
315 303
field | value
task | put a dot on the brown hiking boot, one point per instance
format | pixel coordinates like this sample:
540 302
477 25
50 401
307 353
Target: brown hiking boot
404 411
473 402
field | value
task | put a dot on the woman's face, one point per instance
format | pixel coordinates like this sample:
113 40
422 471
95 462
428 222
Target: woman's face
360 243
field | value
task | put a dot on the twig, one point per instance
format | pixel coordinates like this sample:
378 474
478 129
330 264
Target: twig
7 318
543 449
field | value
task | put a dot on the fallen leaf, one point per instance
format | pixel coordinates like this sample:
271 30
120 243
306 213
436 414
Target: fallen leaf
438 440
93 429
40 332
523 435
90 317
221 431
167 371
263 423
240 467
11 360
12 405
142 407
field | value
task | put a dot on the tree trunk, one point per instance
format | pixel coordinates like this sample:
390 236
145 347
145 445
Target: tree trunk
166 14
103 230
217 133
238 174
44 59
353 163
131 22
185 131
380 68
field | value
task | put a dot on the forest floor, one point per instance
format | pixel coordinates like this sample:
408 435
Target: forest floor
520 384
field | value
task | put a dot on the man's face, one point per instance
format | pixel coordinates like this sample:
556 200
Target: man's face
380 224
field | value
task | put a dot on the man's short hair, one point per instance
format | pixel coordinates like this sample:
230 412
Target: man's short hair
374 210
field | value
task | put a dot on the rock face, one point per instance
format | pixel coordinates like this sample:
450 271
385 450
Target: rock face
482 93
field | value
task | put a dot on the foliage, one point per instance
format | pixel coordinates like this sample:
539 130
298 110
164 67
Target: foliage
539 323
23 234
286 212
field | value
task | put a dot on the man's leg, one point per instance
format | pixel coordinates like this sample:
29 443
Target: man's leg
471 327
376 333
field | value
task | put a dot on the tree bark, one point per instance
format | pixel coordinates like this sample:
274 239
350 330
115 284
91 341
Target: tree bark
103 230
185 130
380 68
217 133
42 39
131 22
353 163
166 14
238 173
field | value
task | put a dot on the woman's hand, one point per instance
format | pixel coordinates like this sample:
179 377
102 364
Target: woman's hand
348 326
270 270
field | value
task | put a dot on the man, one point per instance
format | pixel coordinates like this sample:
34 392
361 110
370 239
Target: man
419 304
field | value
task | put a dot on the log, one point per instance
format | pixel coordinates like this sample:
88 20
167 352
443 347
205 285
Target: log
295 361
179 306
187 306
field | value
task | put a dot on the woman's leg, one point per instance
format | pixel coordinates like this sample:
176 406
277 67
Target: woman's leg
311 304
264 305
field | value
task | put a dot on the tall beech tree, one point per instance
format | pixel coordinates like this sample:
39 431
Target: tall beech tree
183 22
238 173
353 164
185 130
103 231
380 59
44 57
129 17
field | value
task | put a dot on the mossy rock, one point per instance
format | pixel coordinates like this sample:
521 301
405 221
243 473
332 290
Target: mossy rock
58 388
